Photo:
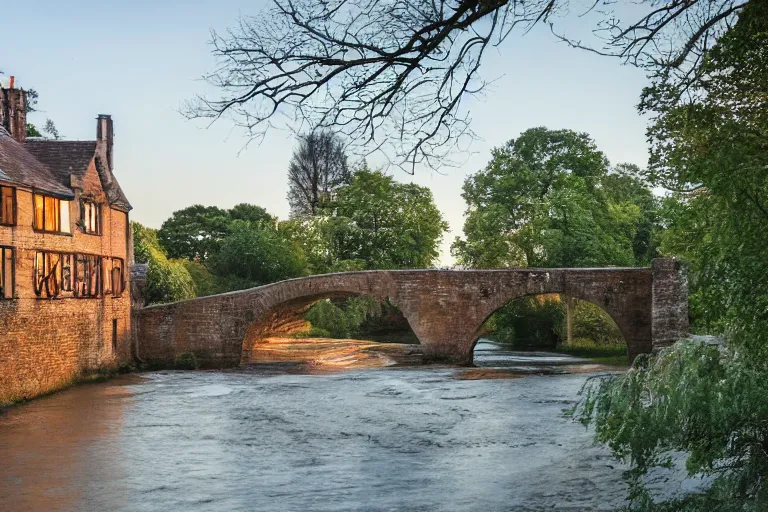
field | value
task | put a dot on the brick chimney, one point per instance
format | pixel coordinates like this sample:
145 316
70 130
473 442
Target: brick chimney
105 133
13 111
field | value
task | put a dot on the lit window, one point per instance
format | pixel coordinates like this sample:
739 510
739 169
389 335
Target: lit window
90 217
114 279
7 206
87 275
51 214
6 272
53 273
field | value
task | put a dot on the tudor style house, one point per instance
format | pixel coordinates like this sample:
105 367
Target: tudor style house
65 256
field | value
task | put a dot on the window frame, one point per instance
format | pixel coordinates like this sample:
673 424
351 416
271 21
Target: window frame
81 256
62 285
14 213
82 222
42 229
108 277
4 275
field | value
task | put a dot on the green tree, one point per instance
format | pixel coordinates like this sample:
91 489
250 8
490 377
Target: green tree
550 199
707 146
252 213
251 255
195 232
390 224
167 280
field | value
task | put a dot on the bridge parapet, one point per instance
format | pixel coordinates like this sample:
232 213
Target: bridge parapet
445 308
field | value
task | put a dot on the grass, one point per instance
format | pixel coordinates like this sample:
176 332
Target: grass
612 355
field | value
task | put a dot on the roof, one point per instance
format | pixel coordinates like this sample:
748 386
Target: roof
18 165
67 157
63 157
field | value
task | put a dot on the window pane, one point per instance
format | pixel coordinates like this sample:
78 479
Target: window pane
51 214
65 216
66 272
6 205
38 212
107 275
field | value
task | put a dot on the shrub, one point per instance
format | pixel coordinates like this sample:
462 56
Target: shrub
709 402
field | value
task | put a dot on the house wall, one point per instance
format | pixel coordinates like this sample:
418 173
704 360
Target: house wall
45 343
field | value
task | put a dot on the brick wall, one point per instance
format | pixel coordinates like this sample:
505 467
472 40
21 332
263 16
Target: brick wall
445 309
45 343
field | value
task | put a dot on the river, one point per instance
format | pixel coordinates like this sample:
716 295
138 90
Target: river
270 438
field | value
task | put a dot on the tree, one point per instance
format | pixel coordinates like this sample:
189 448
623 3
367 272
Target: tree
252 255
708 146
195 232
547 199
318 167
391 224
392 75
166 280
374 222
252 213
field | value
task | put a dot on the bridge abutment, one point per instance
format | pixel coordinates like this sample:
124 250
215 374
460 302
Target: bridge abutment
669 308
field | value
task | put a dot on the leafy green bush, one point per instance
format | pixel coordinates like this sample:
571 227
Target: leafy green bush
529 322
341 319
186 361
592 323
167 280
709 402
252 255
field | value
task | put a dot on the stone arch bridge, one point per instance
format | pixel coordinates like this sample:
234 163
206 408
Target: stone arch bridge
445 308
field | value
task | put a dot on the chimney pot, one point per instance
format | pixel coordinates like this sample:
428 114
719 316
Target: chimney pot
13 79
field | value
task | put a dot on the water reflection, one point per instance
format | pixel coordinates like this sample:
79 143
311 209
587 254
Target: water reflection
59 452
261 438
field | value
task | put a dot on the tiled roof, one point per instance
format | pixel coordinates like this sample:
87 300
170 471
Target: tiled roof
65 157
18 165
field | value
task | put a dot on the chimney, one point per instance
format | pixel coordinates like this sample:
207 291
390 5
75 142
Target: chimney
13 111
105 133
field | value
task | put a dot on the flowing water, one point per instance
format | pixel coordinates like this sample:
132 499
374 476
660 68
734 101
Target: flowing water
272 438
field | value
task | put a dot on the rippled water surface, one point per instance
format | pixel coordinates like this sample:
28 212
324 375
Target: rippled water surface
264 438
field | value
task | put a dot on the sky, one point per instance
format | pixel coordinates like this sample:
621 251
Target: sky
140 60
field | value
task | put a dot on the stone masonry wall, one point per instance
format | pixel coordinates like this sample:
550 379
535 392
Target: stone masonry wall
670 302
445 309
48 342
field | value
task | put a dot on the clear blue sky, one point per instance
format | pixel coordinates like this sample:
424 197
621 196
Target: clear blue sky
140 60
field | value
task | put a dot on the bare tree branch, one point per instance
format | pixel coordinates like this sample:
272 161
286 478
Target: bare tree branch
390 76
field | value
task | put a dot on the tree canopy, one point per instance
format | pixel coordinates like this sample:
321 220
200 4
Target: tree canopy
550 199
707 141
374 222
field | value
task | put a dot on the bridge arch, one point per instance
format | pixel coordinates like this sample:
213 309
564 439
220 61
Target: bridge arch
623 331
288 317
444 308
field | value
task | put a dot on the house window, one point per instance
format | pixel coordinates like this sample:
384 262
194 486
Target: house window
87 275
90 217
51 214
53 273
7 206
114 278
7 273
